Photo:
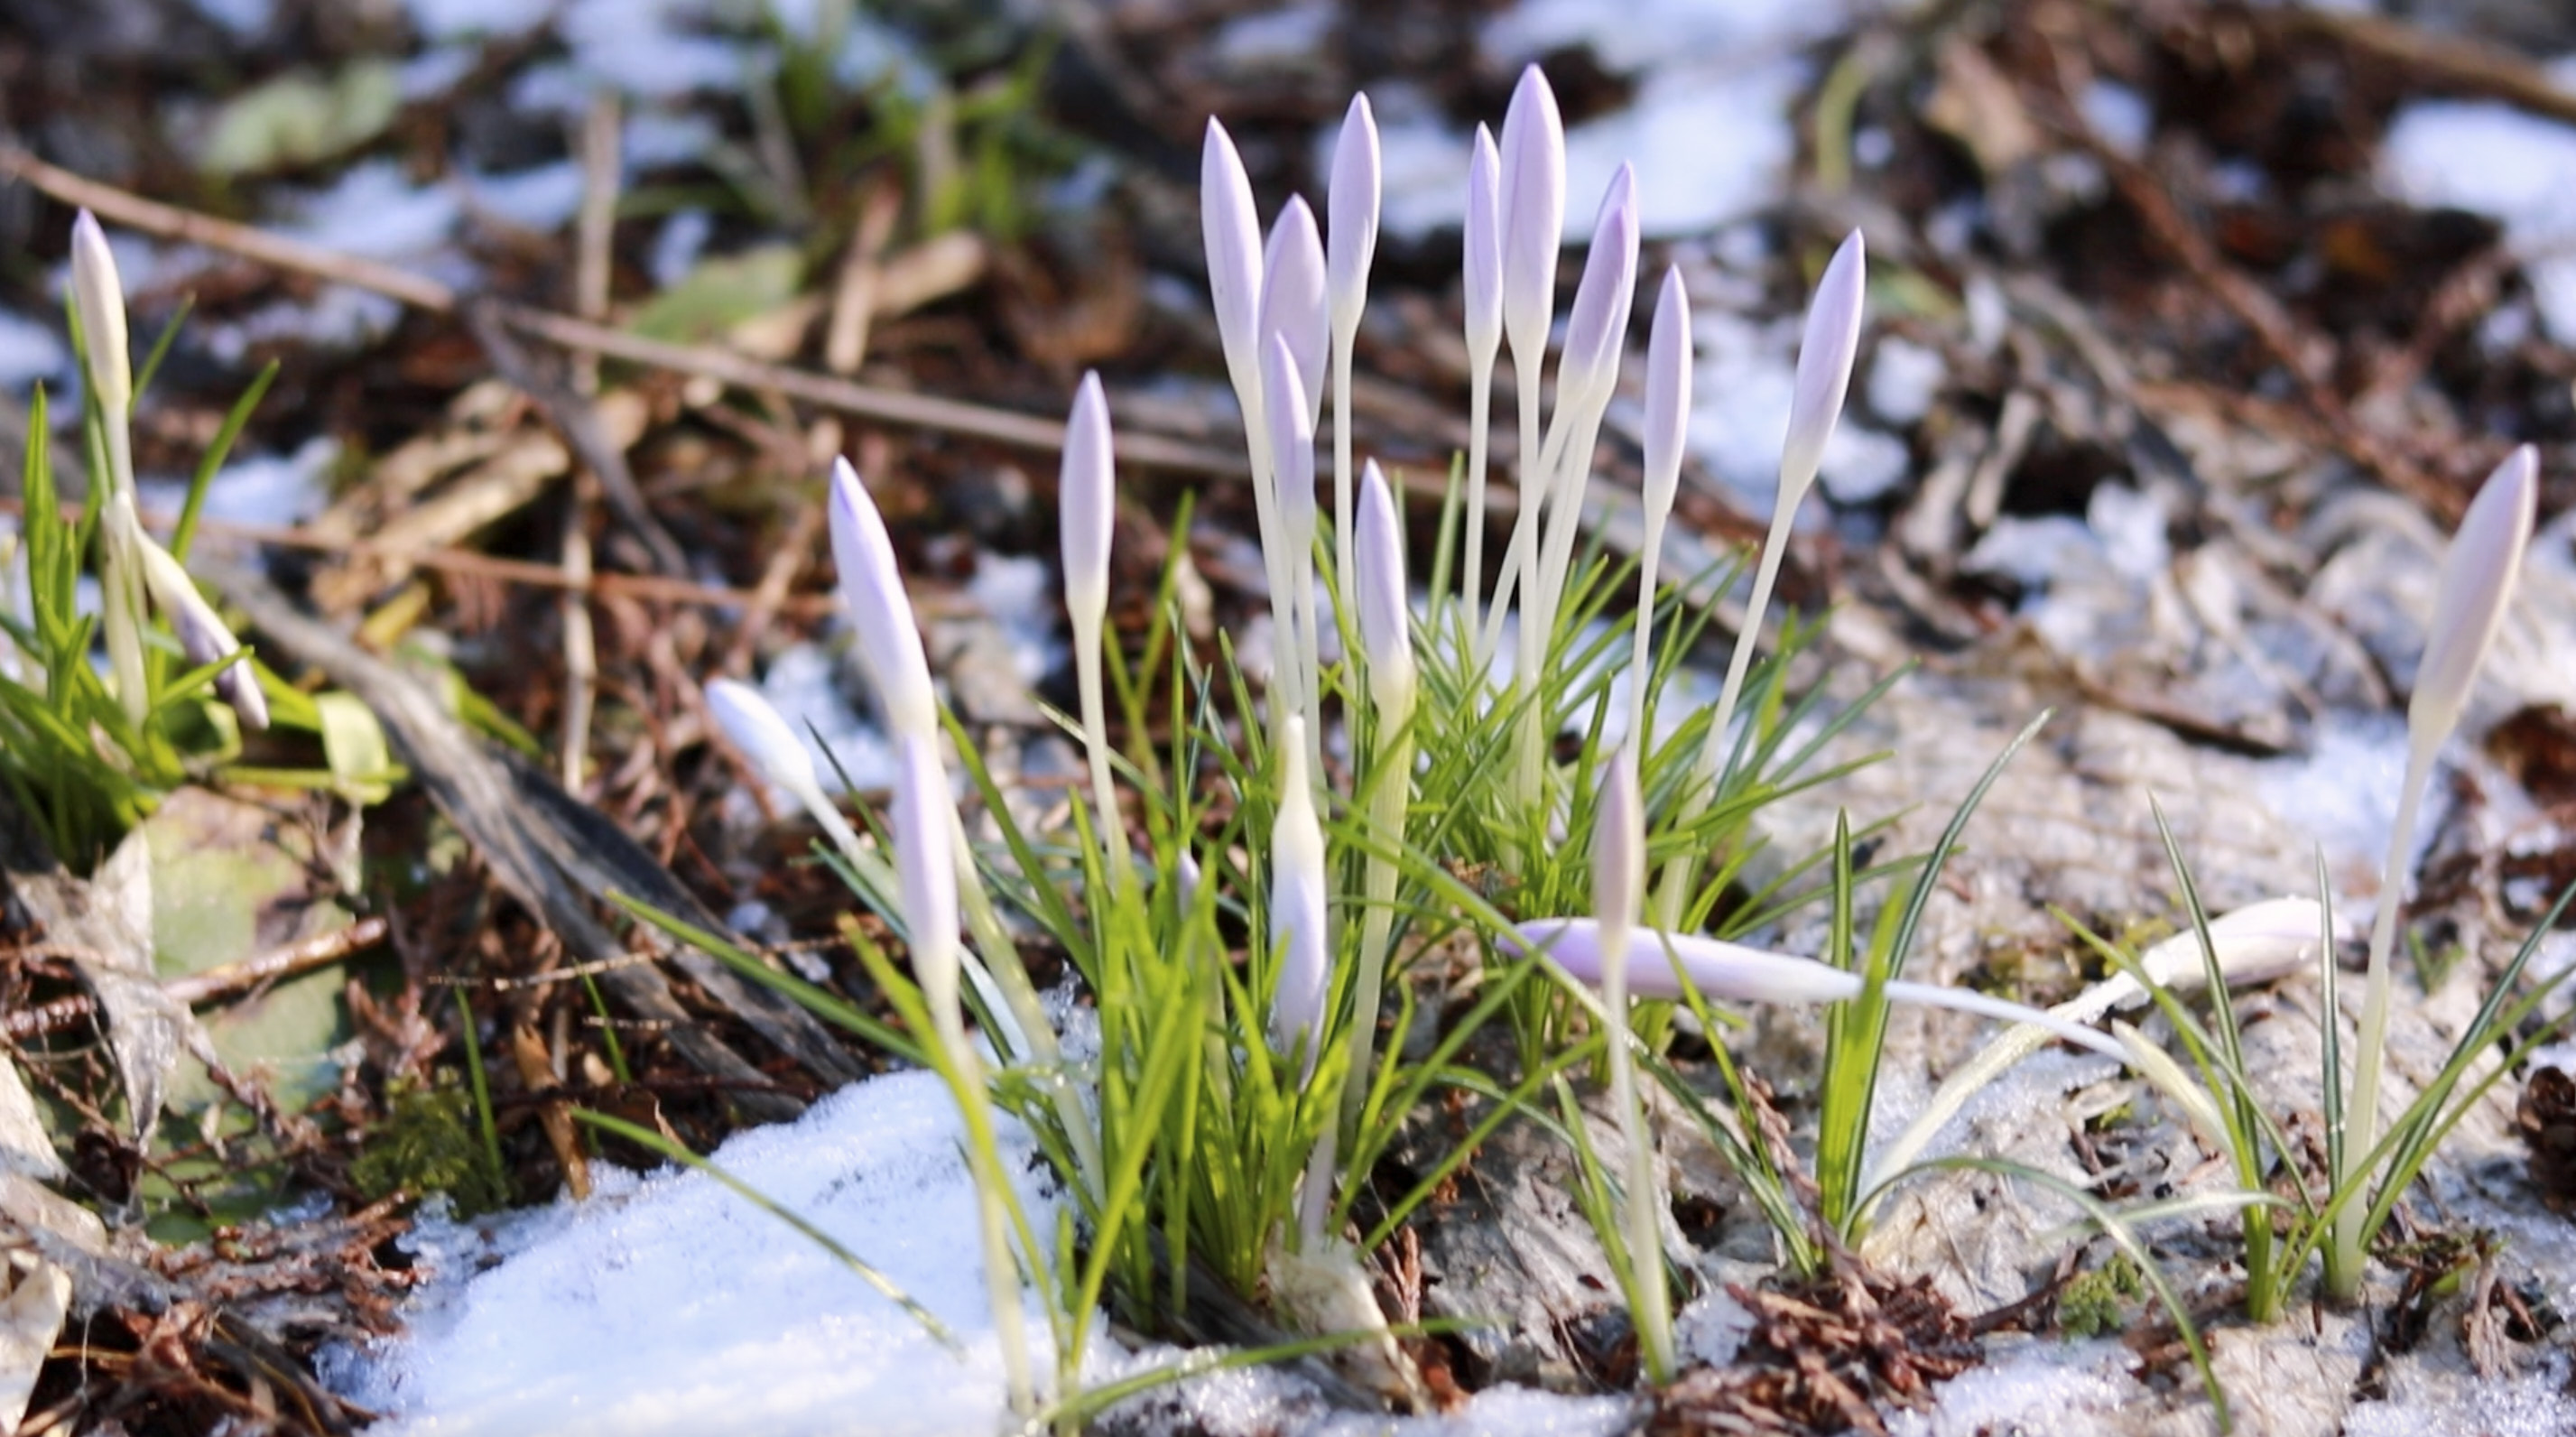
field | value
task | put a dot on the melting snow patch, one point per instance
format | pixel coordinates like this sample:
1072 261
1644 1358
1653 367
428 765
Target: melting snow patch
2524 177
803 685
2534 1405
2343 795
1904 378
671 1305
542 199
30 352
268 490
2068 1390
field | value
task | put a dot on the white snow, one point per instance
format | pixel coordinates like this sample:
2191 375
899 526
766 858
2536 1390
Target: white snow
2119 115
30 353
2065 1389
542 198
803 683
2342 794
1904 378
671 1305
2524 176
269 490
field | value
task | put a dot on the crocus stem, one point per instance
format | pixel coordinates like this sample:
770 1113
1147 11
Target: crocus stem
1343 578
1480 422
2361 1113
1387 811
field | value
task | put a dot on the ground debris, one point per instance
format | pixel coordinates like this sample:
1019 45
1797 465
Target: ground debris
1825 1356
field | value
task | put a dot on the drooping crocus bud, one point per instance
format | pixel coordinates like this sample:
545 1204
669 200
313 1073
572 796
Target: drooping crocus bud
202 632
1231 230
1293 300
1825 354
1481 272
925 816
1087 497
99 299
2476 587
1351 206
873 597
1533 209
1596 333
1298 898
1659 961
1385 608
756 730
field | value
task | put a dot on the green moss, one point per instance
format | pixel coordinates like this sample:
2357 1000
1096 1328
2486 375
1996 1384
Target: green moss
2098 1301
426 1144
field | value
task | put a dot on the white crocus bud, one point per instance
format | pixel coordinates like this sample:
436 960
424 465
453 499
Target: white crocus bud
1596 332
872 595
1667 432
1481 271
1298 899
1351 207
1825 356
1293 298
1385 609
1292 453
1658 962
1231 230
2476 587
202 632
99 299
122 607
1533 210
1087 494
757 731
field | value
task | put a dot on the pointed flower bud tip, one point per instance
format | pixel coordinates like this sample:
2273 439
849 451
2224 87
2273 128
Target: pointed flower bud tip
756 729
872 595
1351 206
1087 495
1657 963
1292 296
1231 229
1825 355
1286 409
1385 609
926 867
203 635
99 298
1597 331
1533 211
1297 900
2476 588
1481 272
1668 392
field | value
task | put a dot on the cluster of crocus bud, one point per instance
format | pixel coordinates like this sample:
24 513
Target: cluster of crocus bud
136 573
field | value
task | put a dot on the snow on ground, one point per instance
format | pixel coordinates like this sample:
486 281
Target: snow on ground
2524 177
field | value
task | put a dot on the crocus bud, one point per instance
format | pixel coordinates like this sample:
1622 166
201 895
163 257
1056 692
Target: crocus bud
872 596
1231 229
1292 297
99 298
1285 407
1385 609
1658 962
1533 210
2476 587
1668 394
202 634
1297 903
1596 333
1351 206
925 818
1619 853
1481 273
1825 355
757 731
1087 495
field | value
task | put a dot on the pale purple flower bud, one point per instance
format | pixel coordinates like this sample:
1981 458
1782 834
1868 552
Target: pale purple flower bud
872 596
1481 275
1668 393
202 633
1596 333
2476 587
1659 961
1086 492
1619 848
1351 206
1231 230
1298 897
1825 355
1385 609
1286 408
98 297
925 819
1532 200
2255 944
1292 297
756 729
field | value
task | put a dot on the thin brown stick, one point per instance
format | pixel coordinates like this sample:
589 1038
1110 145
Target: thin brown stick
208 986
885 406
